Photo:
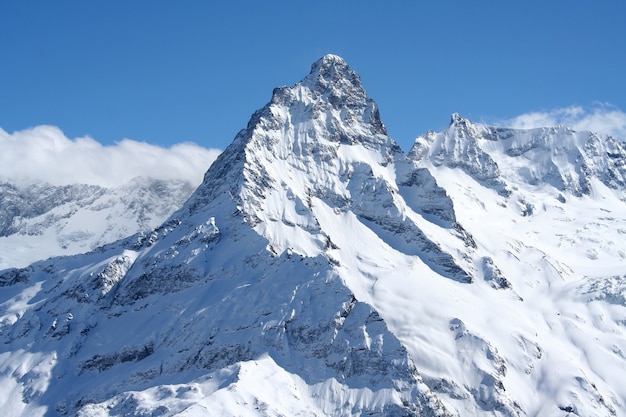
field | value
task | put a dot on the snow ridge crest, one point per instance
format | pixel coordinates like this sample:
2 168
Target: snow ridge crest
318 255
501 157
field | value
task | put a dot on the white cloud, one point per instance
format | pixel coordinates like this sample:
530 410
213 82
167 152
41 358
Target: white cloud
601 118
44 153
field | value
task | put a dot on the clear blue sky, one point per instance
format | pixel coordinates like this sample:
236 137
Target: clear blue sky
171 71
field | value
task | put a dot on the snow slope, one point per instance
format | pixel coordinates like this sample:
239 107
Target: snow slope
319 270
39 220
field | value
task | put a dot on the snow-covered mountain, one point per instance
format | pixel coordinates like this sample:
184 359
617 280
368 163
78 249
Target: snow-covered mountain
39 220
567 161
319 270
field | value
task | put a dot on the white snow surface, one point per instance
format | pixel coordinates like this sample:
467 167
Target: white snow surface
319 270
40 220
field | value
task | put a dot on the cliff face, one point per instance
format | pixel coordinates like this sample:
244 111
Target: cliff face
318 270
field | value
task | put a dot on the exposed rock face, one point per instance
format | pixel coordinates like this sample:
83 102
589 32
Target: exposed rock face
318 270
558 156
39 220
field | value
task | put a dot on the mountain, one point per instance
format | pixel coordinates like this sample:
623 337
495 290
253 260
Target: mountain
320 270
559 157
39 220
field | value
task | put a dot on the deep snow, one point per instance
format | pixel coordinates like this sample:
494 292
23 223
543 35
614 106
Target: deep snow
319 270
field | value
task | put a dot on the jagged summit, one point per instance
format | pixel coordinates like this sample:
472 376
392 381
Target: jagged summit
332 84
329 60
332 72
455 118
331 64
320 138
502 158
463 125
305 123
319 270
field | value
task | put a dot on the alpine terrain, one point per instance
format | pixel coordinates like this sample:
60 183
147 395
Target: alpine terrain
39 220
319 270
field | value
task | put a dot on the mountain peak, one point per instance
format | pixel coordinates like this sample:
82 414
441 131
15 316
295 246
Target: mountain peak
332 72
457 119
329 63
319 260
330 59
330 96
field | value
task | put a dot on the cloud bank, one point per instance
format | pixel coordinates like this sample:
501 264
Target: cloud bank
44 153
601 118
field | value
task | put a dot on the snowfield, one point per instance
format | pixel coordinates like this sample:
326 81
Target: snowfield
319 270
40 220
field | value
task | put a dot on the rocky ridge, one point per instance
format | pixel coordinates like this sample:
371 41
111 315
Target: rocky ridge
356 279
38 220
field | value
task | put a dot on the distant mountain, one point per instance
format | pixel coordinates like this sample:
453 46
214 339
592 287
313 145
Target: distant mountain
39 220
557 156
319 270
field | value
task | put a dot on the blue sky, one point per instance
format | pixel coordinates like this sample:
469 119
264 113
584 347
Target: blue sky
165 72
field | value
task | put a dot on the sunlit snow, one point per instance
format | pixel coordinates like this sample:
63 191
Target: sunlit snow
320 270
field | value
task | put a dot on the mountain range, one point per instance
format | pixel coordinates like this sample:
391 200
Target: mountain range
40 220
320 270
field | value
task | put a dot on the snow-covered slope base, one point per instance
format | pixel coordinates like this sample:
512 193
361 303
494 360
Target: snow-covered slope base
319 270
38 220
